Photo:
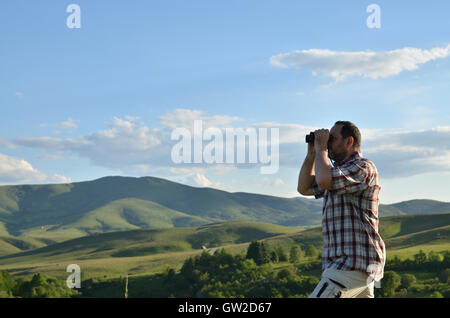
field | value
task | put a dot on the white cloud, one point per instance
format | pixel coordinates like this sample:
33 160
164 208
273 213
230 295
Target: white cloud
57 178
444 129
134 148
125 135
369 64
185 118
131 118
278 182
19 95
15 170
289 133
124 144
408 153
273 182
69 123
195 176
221 169
396 153
52 157
6 144
128 145
201 180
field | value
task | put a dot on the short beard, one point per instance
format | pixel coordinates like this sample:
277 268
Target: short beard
337 157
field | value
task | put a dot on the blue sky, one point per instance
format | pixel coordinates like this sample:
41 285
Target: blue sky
78 104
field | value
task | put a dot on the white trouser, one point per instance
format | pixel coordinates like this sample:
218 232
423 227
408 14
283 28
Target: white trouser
344 284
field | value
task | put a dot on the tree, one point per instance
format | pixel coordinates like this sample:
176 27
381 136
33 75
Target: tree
187 270
446 261
7 284
282 257
38 280
391 281
264 253
434 257
435 294
253 251
285 274
259 252
407 280
311 251
395 262
420 258
274 257
295 254
444 276
43 287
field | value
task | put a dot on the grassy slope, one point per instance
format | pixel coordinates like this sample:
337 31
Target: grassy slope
403 225
119 215
65 211
120 247
9 244
3 230
146 251
422 207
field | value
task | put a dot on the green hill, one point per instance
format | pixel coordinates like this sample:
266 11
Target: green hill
9 245
45 214
414 207
154 241
422 207
147 250
66 211
398 232
116 247
398 226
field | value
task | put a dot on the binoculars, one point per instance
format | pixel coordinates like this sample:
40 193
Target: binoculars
309 138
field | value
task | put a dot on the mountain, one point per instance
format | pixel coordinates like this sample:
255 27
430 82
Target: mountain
64 211
37 215
422 207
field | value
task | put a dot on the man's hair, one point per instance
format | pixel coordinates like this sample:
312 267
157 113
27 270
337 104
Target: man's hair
350 129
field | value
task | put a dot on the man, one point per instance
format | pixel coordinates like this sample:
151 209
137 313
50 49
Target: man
353 255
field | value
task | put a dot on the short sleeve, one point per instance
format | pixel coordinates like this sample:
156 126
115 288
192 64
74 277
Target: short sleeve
316 190
351 178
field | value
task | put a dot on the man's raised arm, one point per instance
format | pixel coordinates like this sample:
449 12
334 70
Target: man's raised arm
306 176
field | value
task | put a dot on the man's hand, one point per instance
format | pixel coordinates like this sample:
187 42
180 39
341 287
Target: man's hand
306 176
321 137
311 150
322 165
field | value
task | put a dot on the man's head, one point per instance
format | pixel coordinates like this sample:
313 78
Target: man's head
345 139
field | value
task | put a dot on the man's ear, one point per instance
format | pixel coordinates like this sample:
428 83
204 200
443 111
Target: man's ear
350 141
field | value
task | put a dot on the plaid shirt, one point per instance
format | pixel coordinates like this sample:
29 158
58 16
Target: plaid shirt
350 218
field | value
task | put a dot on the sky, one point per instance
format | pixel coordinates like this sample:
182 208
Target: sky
104 97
